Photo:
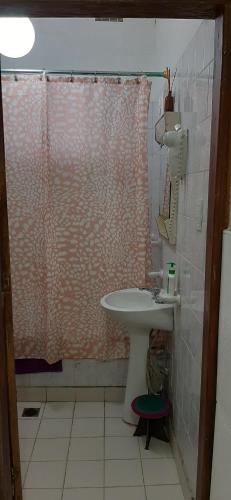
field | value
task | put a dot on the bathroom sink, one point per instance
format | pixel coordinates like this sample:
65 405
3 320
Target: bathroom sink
138 311
136 307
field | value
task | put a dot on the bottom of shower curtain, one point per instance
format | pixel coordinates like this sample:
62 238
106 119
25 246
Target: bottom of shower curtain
36 366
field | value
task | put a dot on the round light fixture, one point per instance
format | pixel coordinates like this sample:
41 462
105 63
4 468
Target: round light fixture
17 36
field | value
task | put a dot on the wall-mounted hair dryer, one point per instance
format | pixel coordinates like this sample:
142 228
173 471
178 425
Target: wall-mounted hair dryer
177 141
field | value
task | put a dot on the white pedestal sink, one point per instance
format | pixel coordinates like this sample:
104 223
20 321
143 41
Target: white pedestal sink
138 311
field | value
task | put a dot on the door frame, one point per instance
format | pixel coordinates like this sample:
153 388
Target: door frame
10 474
219 178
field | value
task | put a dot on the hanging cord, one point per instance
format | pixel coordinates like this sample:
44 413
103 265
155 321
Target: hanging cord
174 76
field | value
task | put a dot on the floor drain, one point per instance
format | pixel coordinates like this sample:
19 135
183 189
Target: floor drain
31 412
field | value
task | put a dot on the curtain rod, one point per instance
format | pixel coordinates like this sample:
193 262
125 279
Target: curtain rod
151 74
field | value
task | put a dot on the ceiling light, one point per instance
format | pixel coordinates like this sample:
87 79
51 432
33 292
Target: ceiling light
17 36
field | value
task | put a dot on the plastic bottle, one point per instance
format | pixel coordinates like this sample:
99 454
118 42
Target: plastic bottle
171 278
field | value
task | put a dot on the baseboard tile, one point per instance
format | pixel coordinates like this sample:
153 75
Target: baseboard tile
90 394
61 394
70 394
31 394
114 394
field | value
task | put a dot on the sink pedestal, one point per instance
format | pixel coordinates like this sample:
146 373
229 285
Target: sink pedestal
136 380
136 309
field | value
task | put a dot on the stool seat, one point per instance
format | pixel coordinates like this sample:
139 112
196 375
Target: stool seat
151 406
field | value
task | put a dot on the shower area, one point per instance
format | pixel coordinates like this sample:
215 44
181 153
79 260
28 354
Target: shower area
77 184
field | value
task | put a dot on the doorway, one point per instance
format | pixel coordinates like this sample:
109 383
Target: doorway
219 231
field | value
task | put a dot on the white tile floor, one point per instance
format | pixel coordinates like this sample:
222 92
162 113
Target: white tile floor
84 451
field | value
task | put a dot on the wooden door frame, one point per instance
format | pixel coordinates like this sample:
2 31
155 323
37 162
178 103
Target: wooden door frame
218 203
10 474
5 451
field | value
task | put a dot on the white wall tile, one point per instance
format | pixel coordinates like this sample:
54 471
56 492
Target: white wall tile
191 330
23 380
90 372
210 92
193 242
31 394
61 394
66 377
84 372
193 98
116 394
202 88
90 394
208 41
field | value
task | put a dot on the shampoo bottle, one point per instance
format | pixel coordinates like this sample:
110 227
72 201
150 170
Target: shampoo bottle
171 278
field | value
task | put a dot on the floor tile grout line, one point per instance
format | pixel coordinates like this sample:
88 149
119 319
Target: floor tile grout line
104 452
69 418
23 482
43 405
87 459
65 472
157 485
29 461
132 459
141 463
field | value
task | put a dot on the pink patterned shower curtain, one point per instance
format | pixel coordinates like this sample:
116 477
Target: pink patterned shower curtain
76 159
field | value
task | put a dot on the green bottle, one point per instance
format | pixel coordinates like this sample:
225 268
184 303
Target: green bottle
171 278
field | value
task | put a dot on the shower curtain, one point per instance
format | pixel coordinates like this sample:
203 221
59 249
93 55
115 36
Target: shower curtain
76 162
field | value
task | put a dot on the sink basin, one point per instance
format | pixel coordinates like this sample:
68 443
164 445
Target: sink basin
136 309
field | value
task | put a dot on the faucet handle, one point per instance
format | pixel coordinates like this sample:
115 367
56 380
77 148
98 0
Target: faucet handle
155 292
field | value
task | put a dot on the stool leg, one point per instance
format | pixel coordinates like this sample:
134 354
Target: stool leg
148 435
166 428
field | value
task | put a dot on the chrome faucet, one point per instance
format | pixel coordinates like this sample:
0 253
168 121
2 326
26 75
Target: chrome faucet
155 291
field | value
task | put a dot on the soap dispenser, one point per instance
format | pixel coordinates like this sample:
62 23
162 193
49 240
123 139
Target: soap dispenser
171 278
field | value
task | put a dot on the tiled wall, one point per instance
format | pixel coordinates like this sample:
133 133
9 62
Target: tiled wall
83 372
193 98
221 479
